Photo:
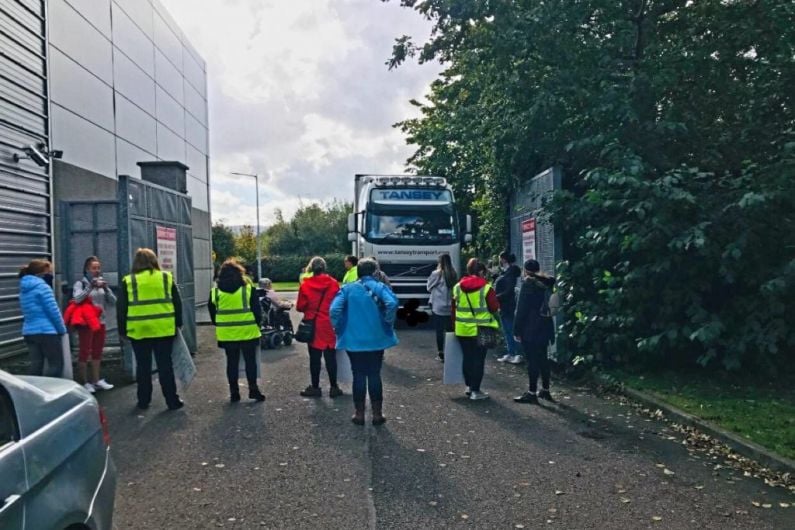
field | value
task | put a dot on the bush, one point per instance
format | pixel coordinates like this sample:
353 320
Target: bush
287 268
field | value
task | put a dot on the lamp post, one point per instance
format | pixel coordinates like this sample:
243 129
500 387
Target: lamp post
259 247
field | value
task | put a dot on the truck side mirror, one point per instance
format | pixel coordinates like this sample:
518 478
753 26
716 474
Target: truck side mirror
469 224
351 236
351 222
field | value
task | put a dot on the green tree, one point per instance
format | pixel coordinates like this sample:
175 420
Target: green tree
674 122
246 245
314 229
223 242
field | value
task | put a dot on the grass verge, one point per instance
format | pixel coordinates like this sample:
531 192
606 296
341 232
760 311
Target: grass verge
285 286
761 411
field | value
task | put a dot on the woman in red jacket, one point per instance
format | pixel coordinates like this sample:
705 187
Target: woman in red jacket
314 298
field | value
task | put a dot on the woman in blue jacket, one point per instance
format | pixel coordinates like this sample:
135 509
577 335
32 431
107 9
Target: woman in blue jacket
42 324
363 315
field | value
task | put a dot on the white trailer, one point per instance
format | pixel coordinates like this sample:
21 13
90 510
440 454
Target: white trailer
406 222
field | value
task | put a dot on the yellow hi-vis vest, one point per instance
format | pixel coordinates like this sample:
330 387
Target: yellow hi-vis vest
471 311
304 275
234 320
351 275
150 308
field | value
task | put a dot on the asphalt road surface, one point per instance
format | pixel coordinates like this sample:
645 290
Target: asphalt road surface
441 461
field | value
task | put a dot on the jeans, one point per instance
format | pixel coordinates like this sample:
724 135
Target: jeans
366 368
233 351
330 355
161 347
442 324
507 331
474 362
537 363
47 347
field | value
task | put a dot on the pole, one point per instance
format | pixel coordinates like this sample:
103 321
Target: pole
259 244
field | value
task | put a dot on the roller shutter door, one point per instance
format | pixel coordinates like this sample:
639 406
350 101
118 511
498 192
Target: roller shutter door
24 186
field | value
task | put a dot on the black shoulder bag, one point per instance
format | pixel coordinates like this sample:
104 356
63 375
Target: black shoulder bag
306 328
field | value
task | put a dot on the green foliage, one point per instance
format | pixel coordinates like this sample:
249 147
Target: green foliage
246 245
287 268
674 123
223 243
314 229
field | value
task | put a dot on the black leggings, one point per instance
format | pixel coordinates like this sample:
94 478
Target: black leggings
474 362
233 351
330 355
537 363
442 324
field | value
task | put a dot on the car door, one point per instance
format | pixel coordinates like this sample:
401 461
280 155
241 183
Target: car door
12 467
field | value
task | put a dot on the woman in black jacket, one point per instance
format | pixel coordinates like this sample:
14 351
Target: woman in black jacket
535 330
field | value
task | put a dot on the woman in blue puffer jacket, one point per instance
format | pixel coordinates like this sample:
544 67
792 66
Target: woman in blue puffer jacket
363 315
42 324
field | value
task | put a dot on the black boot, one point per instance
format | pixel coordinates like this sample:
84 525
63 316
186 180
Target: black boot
378 416
234 391
358 415
254 393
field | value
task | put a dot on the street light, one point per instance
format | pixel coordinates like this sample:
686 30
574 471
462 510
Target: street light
259 248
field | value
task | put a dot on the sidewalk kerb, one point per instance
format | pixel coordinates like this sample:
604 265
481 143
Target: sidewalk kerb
741 446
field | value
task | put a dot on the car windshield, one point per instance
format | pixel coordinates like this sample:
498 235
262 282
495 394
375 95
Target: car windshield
414 225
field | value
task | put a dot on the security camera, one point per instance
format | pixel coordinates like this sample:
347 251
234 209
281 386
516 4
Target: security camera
32 153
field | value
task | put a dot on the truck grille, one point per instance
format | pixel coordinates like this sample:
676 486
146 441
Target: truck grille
408 270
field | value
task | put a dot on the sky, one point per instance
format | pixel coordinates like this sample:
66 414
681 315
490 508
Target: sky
299 94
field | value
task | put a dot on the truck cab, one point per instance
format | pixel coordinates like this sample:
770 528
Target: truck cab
406 222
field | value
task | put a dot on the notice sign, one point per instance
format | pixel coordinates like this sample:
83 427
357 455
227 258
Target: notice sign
529 239
167 249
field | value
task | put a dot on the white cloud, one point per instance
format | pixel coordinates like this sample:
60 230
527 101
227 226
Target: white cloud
299 93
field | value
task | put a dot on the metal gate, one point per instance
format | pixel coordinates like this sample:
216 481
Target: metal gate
530 229
143 207
114 230
91 228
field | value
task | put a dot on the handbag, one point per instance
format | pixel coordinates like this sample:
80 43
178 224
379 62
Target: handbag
306 328
487 337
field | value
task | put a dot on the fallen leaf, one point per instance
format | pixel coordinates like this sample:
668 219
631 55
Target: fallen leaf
667 471
784 504
699 487
767 505
661 466
625 500
464 516
656 518
755 503
433 503
220 466
197 489
559 492
519 526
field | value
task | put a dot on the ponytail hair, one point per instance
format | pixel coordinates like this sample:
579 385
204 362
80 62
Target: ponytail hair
36 266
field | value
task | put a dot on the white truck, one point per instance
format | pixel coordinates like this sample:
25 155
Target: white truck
406 222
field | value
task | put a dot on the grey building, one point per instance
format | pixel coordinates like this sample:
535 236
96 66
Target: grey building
110 83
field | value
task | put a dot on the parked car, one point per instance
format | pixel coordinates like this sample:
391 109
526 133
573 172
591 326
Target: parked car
56 471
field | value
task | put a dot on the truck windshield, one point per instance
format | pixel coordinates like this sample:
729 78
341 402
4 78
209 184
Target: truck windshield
414 225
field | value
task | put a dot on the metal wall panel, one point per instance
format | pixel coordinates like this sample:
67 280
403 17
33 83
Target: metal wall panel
24 186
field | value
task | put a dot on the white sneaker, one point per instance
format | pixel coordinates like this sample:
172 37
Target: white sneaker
477 396
90 387
505 358
516 359
103 385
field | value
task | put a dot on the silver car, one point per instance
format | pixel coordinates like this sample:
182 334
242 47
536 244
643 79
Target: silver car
55 466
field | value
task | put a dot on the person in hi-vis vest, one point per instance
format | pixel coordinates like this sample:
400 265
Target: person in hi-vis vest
236 312
149 312
474 305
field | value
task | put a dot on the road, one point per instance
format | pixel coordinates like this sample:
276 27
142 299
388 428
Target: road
441 461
